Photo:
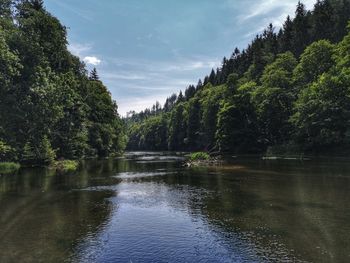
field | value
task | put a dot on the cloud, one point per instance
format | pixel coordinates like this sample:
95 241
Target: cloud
139 103
85 14
180 64
191 65
274 11
138 83
92 61
83 51
79 49
123 76
266 7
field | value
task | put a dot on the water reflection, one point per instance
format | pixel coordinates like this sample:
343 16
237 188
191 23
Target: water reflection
147 207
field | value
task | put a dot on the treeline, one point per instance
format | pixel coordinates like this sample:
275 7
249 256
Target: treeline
288 90
49 107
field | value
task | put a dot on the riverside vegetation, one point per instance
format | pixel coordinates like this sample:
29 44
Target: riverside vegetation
50 107
287 92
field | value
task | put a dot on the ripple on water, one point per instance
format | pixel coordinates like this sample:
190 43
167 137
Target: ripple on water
155 223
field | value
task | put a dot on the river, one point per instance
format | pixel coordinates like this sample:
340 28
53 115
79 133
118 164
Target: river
147 207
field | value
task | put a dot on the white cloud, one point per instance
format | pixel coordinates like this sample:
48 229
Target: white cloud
191 65
83 51
138 104
79 49
123 76
85 14
269 8
178 65
92 60
265 7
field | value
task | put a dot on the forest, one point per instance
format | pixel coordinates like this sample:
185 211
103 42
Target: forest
51 107
288 91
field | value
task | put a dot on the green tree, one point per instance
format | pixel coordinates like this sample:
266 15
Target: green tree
38 153
177 128
322 112
301 26
316 59
323 20
193 124
273 99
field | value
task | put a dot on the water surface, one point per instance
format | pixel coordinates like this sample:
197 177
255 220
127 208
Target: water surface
147 207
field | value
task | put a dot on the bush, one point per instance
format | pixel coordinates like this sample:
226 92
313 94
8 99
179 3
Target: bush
7 153
9 168
199 156
38 153
65 166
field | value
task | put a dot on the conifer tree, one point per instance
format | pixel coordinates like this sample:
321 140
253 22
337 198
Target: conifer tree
300 30
323 21
286 36
94 75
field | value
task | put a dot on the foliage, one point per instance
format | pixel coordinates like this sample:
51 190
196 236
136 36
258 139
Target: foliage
8 167
6 152
317 59
287 90
322 114
199 156
65 166
49 106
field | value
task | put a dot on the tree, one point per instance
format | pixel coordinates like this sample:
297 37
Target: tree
94 75
301 25
177 128
259 97
193 124
212 77
38 152
47 103
322 112
210 101
316 59
190 92
5 9
234 133
232 80
273 99
180 98
286 36
342 18
7 153
323 21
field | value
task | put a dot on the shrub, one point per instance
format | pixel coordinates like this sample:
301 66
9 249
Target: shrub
9 168
65 166
199 156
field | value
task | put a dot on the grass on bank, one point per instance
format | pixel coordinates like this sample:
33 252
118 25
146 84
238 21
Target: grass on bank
9 168
199 156
65 166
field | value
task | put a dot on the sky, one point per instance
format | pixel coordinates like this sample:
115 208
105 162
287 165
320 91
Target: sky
145 50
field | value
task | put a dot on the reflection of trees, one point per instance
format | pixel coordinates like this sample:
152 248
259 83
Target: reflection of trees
43 218
287 210
284 207
273 206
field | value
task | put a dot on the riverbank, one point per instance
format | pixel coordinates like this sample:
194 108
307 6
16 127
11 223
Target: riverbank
65 166
218 159
9 167
61 166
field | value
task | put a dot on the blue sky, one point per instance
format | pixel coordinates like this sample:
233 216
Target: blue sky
145 50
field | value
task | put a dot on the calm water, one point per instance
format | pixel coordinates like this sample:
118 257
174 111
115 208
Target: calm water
148 208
